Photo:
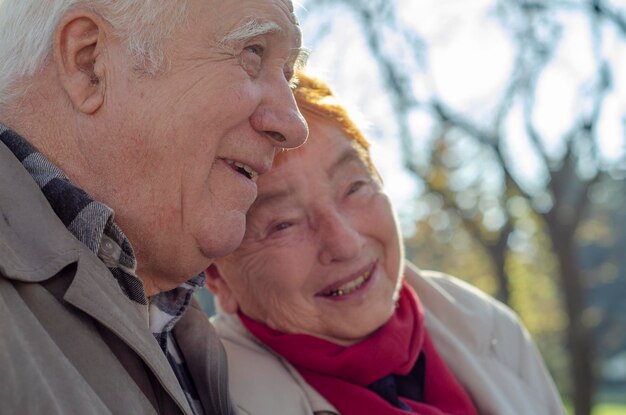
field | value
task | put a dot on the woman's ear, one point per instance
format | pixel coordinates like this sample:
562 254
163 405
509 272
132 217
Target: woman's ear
79 55
219 287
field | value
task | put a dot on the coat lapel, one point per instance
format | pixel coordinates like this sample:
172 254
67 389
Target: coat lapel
24 213
205 358
95 292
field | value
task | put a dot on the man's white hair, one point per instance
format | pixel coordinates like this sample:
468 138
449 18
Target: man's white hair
27 29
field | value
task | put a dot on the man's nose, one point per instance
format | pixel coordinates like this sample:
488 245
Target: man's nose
278 116
340 240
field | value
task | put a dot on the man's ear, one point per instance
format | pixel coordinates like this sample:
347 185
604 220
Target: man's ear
218 286
78 50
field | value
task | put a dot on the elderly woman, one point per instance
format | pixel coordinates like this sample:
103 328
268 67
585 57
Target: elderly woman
321 315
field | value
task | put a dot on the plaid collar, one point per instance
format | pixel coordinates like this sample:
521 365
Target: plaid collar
92 223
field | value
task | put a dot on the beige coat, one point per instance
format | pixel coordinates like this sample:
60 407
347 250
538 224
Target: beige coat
482 341
70 341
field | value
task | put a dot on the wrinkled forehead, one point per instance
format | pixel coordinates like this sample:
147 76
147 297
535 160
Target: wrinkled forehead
286 17
332 130
287 6
276 16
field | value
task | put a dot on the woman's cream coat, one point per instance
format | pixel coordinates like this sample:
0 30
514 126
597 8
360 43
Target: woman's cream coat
481 340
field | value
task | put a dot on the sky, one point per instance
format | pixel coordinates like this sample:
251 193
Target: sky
469 60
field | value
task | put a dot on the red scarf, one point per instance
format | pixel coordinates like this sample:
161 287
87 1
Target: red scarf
341 373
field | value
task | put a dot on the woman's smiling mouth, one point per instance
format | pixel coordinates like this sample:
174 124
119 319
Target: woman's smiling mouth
350 286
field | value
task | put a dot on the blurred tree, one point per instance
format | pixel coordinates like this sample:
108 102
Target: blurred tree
470 167
603 241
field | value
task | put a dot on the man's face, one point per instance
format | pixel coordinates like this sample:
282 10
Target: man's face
177 185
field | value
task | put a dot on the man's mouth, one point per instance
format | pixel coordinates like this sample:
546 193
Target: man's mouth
349 287
244 169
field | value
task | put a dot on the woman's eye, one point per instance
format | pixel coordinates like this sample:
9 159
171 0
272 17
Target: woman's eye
355 186
281 226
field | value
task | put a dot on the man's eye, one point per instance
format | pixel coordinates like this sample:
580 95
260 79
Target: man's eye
256 49
290 77
251 59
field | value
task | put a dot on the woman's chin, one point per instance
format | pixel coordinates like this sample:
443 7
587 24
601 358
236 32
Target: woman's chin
354 331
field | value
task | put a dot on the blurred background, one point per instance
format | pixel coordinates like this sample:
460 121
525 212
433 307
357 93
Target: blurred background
499 127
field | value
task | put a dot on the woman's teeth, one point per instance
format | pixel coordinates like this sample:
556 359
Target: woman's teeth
349 287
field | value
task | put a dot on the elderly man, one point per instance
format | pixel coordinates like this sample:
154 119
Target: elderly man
132 133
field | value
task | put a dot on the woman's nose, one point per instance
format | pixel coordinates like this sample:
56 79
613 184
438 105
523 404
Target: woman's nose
278 116
340 240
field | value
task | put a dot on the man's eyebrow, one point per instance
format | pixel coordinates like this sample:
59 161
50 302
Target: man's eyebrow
249 30
301 56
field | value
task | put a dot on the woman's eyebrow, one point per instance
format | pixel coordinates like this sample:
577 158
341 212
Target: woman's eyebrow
271 198
347 157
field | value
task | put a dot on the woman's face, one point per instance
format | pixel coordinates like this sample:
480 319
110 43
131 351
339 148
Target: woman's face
322 252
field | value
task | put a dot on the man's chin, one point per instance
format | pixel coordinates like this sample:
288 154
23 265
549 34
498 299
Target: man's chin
215 247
